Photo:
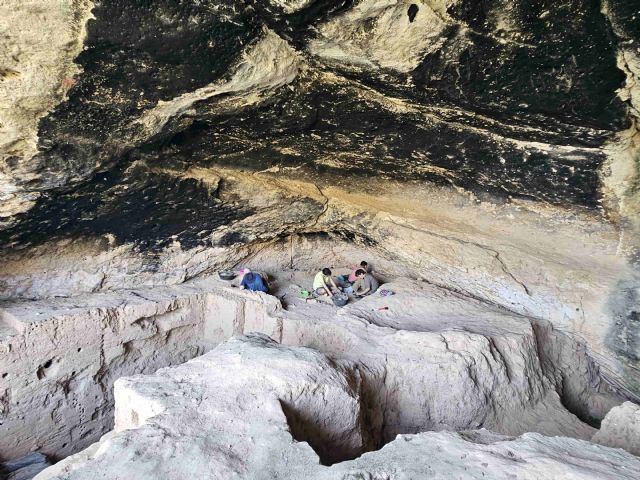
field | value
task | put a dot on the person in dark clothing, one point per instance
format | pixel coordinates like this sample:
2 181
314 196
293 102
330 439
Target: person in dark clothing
254 282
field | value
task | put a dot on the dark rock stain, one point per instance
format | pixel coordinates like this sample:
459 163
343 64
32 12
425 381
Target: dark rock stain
136 206
548 76
412 12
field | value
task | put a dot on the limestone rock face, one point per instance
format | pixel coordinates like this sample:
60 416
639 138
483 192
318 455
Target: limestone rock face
489 149
621 428
431 360
60 358
507 97
40 42
256 409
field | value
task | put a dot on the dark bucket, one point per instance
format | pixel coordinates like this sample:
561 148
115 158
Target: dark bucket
227 274
340 299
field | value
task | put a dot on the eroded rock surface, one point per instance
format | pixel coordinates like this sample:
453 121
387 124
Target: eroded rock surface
489 148
40 40
237 411
60 358
621 428
432 360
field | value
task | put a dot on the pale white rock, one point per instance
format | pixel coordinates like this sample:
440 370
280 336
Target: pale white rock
252 409
434 360
268 63
521 256
59 358
40 40
621 428
379 33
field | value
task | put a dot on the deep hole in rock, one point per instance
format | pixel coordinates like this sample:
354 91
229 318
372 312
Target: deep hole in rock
304 428
412 12
387 410
41 371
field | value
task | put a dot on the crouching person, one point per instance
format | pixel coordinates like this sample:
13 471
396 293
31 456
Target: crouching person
254 282
323 284
365 283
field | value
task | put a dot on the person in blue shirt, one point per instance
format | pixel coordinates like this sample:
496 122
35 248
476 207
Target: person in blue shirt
254 282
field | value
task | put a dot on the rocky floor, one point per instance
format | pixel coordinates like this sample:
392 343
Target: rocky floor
423 349
253 408
482 155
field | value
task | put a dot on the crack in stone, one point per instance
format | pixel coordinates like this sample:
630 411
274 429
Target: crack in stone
495 253
325 206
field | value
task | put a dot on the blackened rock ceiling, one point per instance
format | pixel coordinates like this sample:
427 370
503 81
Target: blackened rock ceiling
505 99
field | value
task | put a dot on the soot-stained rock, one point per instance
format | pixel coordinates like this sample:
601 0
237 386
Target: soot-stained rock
624 337
551 60
625 15
151 210
340 128
135 55
510 100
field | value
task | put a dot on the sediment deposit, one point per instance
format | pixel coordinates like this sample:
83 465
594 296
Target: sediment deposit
255 409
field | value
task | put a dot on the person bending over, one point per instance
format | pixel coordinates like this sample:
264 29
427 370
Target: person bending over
346 281
323 282
353 275
254 282
365 284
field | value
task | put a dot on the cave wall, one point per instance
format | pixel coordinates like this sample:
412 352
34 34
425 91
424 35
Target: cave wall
514 99
489 147
60 358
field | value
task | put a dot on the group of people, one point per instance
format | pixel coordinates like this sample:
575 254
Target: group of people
359 282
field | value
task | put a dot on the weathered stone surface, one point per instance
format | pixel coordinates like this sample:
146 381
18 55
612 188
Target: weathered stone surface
24 468
621 428
523 115
59 358
252 408
419 92
490 148
435 359
39 43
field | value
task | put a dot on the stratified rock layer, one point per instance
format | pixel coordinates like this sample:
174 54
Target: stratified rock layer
431 360
252 408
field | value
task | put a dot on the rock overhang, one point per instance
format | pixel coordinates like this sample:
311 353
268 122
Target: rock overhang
460 117
522 114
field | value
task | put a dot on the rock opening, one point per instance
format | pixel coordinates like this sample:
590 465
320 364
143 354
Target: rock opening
412 12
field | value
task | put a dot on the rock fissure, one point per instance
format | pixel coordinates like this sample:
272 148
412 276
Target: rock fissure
272 396
496 253
170 325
